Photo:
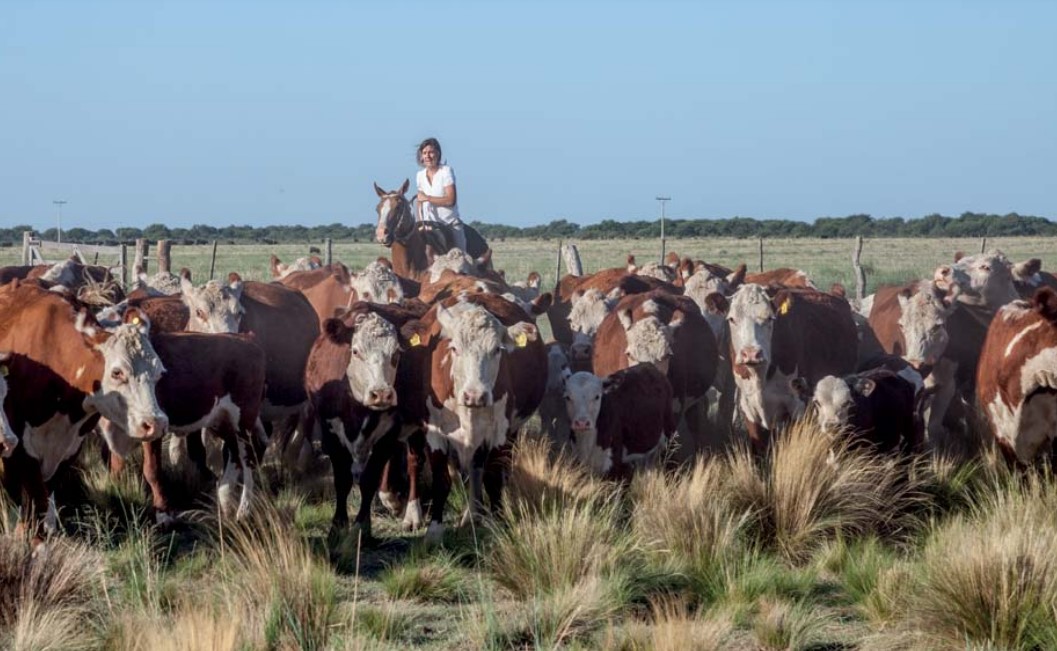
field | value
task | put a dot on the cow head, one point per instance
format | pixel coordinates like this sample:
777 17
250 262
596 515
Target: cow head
924 311
8 440
454 260
649 340
377 284
835 399
583 402
557 365
374 352
214 308
710 292
131 370
984 279
476 343
589 309
751 320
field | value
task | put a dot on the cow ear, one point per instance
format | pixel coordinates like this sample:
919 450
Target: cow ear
137 318
737 277
625 318
534 280
380 192
391 296
337 331
384 261
716 303
614 296
413 334
632 267
958 255
677 321
521 333
186 286
1028 268
235 285
612 382
274 265
864 386
1045 302
800 387
542 303
566 374
484 260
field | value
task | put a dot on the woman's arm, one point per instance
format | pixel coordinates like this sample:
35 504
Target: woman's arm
447 200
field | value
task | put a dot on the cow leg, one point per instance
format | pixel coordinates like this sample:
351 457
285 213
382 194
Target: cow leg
229 479
943 391
152 474
477 468
495 471
26 487
413 512
341 461
438 462
759 437
372 474
248 463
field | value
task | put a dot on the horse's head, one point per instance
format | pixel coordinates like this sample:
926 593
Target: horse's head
395 220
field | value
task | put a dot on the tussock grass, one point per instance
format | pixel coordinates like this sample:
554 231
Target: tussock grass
188 628
383 623
432 579
544 478
858 565
50 599
801 497
791 626
673 626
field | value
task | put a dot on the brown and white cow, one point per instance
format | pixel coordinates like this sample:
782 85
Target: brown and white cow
669 332
213 382
64 371
280 270
621 421
284 325
911 321
354 381
876 407
796 333
333 287
589 309
1017 377
487 375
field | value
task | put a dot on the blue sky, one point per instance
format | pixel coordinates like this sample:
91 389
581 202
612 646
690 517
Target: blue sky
285 112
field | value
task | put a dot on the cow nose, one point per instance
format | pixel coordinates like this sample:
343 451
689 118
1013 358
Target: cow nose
580 351
474 399
382 397
580 425
150 428
750 355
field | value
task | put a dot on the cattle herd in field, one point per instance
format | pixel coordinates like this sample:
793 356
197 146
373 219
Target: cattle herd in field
387 372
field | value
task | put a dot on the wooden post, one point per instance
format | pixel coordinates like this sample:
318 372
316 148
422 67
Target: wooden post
213 261
164 260
330 250
761 254
140 262
123 261
860 273
26 237
983 245
558 269
572 259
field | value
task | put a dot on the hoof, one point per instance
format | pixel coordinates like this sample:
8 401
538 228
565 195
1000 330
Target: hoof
435 533
392 502
361 530
413 516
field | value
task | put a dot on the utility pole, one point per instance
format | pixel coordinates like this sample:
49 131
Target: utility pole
60 203
664 201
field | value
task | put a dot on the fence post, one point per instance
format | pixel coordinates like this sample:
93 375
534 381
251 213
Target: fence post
140 262
213 260
860 273
761 254
983 245
330 250
123 261
557 269
572 259
26 237
164 260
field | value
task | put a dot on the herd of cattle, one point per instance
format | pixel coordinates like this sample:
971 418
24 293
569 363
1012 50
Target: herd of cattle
387 372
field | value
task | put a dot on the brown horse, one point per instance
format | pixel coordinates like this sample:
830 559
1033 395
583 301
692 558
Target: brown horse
414 244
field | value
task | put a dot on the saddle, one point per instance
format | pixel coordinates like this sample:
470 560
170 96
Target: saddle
437 236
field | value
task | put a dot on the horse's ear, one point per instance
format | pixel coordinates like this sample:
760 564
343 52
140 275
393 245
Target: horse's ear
405 186
381 193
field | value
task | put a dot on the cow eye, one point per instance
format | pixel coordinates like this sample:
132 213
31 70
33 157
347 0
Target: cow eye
200 314
118 375
355 352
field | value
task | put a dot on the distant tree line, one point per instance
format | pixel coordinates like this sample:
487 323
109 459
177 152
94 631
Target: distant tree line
966 225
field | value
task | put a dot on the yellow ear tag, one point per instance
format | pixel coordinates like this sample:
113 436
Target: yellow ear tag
135 320
521 340
416 340
784 309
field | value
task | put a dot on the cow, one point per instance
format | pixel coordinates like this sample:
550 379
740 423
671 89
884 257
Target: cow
782 277
332 287
554 418
1017 377
1028 277
486 376
777 337
354 379
284 325
213 382
621 421
661 272
64 372
875 407
589 309
910 321
280 270
669 332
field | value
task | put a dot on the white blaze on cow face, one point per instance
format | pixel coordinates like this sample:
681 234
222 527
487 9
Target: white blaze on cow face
131 371
922 322
8 440
984 279
833 404
589 309
375 352
215 308
583 402
476 343
751 319
649 340
62 273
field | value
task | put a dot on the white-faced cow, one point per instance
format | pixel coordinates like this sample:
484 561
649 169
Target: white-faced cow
355 381
213 382
64 371
1017 377
796 333
621 421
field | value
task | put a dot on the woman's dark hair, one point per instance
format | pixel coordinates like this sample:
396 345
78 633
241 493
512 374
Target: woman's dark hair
428 142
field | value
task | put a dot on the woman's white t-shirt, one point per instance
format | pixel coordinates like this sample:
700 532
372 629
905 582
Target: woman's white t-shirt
442 178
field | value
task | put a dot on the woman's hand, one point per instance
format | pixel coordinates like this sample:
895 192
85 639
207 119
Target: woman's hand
421 196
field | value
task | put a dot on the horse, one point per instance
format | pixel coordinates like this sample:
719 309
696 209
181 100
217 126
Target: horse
414 244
